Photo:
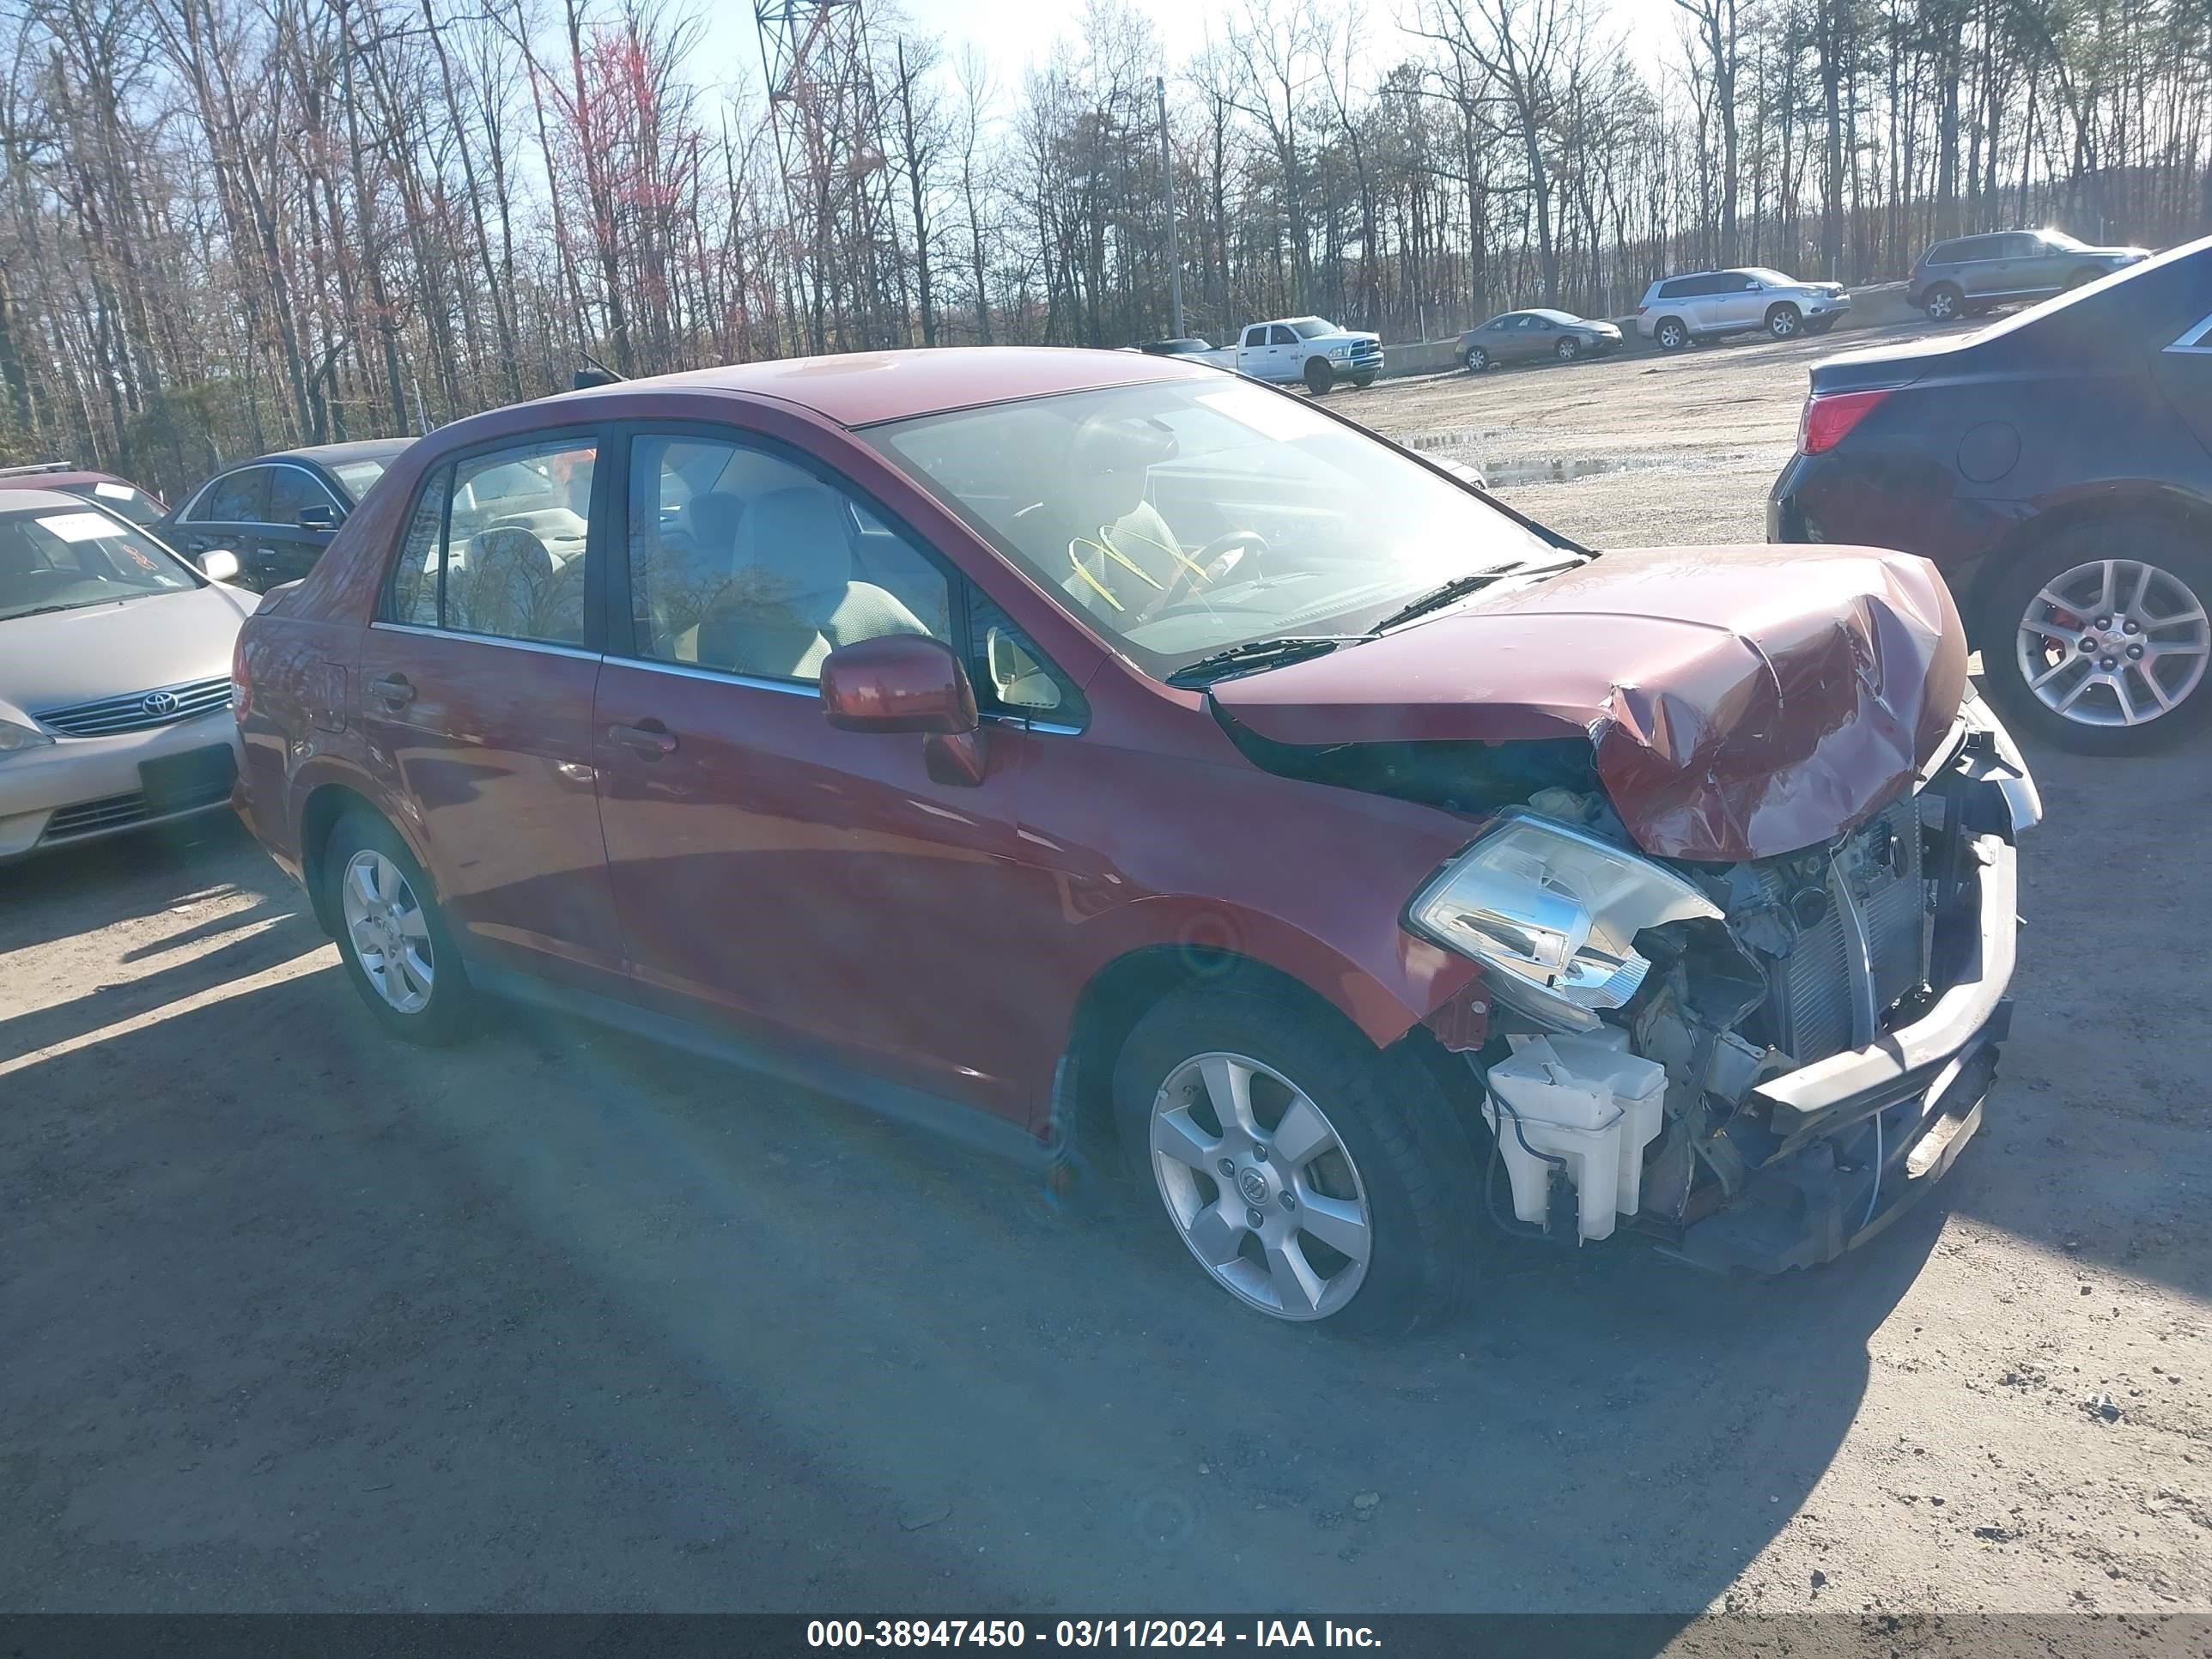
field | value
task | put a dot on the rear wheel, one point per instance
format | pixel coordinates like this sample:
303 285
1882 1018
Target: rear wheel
1943 302
1319 376
2099 638
1477 359
1312 1177
392 937
1671 334
1783 321
1568 350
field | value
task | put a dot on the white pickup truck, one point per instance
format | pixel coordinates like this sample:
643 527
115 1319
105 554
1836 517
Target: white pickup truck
1307 349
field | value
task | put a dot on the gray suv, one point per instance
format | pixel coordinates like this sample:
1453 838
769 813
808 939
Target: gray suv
1969 274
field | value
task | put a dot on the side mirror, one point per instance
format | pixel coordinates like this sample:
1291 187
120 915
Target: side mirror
220 564
318 515
908 683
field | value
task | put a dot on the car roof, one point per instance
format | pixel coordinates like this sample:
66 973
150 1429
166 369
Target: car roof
60 480
866 388
359 449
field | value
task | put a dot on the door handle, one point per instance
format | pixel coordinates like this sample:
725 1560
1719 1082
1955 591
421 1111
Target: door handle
393 689
647 742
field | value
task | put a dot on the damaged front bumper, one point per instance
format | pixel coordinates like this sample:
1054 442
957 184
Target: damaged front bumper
1865 1133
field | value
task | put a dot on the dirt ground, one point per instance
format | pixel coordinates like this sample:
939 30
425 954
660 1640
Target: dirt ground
293 1318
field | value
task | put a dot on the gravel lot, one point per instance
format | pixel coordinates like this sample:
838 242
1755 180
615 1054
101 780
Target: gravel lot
293 1318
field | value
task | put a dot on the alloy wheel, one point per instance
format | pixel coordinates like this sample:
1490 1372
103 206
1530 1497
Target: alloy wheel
1783 324
390 935
1261 1186
2114 643
1670 335
1477 360
1942 306
1569 350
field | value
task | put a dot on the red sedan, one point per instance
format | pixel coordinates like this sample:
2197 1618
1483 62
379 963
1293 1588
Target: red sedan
1111 746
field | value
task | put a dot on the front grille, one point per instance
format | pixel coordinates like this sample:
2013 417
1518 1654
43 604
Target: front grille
90 818
137 711
1808 1012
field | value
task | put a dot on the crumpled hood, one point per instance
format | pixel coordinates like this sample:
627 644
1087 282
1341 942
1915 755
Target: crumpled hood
1741 701
96 650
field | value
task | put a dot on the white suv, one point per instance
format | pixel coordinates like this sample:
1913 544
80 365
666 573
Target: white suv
1709 304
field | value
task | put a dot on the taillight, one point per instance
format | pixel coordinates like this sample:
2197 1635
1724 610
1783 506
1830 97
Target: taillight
240 685
1828 420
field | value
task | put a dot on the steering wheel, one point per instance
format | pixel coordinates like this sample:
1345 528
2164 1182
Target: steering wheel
1248 545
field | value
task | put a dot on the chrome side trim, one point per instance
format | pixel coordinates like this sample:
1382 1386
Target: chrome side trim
722 676
546 646
2195 339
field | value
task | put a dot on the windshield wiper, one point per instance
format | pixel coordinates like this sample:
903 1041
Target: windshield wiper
1259 654
1459 587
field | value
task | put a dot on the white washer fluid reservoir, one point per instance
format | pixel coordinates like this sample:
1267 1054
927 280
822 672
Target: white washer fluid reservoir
1588 1101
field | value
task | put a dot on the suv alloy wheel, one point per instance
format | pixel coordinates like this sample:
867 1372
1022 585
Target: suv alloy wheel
1942 302
1671 334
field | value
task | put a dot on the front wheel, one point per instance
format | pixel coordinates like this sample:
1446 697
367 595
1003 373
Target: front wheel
2098 638
1311 1177
1568 351
1943 302
391 936
1477 359
1319 376
1783 322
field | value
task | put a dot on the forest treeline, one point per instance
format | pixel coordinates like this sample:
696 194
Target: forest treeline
230 225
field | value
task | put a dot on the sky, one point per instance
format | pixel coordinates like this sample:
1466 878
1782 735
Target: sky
1014 34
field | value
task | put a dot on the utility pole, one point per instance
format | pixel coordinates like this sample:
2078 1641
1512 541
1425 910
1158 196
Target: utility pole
1167 177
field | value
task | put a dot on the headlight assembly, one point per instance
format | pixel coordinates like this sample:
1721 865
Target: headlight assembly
14 737
1552 912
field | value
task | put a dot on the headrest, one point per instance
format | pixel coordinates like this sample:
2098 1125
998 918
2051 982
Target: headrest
711 521
793 550
510 545
1120 443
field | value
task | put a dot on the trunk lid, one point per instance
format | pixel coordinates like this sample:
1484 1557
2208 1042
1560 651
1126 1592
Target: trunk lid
1739 701
1873 367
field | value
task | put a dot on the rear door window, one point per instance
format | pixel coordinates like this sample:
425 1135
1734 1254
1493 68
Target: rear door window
498 545
240 497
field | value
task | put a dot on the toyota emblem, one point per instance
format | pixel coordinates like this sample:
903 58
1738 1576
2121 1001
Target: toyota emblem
160 702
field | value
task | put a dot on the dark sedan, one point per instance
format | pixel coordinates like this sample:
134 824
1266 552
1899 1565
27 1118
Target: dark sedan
278 511
2055 466
1519 337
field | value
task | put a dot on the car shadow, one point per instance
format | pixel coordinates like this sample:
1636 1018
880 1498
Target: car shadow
729 1344
78 889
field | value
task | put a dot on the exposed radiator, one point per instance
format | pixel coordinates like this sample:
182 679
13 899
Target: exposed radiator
1810 1009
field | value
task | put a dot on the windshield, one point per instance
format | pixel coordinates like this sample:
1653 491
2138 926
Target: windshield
358 476
58 559
2060 239
1773 276
1186 517
125 500
1557 316
1311 328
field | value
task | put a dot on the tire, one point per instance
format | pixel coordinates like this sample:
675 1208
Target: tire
1477 360
1567 350
1783 322
1320 378
1821 326
2092 571
1362 381
2087 274
1392 1155
444 1008
1943 302
1671 334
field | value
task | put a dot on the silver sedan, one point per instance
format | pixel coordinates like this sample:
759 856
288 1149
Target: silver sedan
114 675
